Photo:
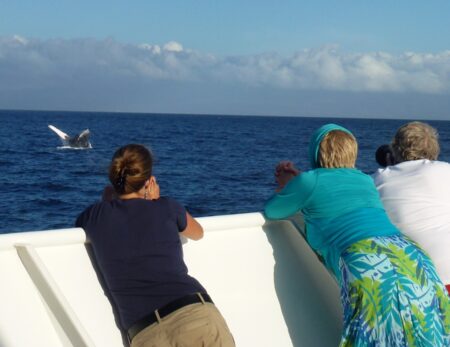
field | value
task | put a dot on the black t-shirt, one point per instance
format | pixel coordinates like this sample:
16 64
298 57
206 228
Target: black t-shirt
138 250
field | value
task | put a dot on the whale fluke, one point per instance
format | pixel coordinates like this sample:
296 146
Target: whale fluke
79 141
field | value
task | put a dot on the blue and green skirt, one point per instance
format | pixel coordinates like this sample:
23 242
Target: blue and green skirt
392 296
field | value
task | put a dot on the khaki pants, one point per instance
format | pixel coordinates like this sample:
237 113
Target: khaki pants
197 325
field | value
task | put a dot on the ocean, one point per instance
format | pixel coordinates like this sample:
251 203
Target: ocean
212 164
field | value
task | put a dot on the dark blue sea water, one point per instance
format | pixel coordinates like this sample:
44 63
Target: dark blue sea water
211 164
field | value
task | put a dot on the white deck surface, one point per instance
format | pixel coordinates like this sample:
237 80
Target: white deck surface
266 281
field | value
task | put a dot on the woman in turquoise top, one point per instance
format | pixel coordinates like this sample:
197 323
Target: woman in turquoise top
390 291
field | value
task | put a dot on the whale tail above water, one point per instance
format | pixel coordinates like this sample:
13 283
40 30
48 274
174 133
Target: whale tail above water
79 141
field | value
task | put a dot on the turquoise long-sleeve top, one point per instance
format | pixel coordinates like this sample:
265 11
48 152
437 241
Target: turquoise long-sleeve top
340 206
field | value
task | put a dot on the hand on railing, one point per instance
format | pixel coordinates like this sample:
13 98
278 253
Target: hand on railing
284 172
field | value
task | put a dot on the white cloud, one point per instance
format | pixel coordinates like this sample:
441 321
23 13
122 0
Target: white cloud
20 39
173 46
31 63
155 49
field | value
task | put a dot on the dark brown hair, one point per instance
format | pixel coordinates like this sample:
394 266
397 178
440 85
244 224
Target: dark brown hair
130 167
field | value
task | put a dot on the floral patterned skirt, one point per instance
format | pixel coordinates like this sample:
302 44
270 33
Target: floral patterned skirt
392 295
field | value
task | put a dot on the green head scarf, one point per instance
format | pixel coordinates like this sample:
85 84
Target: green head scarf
316 139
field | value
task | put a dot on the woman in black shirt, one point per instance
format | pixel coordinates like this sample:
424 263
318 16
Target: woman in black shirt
135 235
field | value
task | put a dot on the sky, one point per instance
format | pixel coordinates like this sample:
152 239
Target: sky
379 59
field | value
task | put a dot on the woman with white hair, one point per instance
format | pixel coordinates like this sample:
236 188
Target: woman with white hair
416 192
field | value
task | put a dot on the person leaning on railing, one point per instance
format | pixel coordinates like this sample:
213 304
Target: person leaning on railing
135 235
390 291
415 191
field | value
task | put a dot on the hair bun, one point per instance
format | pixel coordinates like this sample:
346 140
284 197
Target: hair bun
122 178
130 167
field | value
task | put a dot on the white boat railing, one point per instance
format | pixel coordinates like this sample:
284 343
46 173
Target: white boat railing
262 275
